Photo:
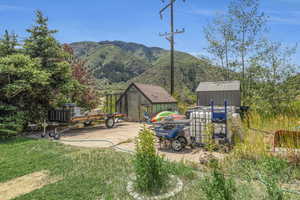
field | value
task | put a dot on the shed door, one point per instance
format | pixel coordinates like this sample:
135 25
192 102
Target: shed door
133 105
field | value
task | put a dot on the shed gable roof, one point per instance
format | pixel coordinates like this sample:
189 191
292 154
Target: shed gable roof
219 86
155 94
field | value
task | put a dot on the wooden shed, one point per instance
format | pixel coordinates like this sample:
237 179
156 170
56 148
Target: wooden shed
139 98
219 92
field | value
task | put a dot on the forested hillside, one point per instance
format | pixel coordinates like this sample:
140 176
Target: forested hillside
117 61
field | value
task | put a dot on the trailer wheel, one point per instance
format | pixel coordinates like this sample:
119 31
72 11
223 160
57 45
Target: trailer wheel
43 134
56 136
110 122
176 145
51 133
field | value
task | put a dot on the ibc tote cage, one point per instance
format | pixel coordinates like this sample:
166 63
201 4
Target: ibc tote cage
203 116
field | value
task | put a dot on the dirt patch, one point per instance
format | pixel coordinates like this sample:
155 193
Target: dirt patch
25 184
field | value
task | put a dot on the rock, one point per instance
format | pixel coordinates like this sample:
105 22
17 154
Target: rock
137 196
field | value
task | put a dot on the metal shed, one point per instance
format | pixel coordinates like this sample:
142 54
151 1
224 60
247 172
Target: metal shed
139 98
219 92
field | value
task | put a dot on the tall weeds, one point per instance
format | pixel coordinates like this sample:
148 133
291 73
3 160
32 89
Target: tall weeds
253 147
259 138
217 187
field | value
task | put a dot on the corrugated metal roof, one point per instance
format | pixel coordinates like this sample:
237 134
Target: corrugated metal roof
155 94
219 86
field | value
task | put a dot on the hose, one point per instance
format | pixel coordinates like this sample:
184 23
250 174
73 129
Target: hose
114 146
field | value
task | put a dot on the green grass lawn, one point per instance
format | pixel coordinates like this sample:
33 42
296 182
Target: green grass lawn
87 173
103 174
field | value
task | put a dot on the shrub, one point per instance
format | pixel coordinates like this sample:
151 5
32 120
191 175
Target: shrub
217 187
151 173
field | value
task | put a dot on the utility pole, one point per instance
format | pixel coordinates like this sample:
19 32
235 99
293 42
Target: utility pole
170 37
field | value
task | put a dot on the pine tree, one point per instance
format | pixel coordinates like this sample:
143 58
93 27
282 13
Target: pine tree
8 44
23 84
41 44
11 121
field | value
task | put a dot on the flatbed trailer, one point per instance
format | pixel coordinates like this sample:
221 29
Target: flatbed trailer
62 120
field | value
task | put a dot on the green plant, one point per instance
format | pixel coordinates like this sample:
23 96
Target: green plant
274 192
151 174
273 166
217 187
210 144
181 169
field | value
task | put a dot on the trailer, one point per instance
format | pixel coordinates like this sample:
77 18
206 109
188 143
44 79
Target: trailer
66 118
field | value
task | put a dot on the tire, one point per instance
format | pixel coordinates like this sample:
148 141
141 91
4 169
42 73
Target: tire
110 122
43 135
87 123
176 145
183 141
56 136
51 133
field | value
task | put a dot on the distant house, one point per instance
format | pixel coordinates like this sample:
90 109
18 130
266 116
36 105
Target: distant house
139 98
219 92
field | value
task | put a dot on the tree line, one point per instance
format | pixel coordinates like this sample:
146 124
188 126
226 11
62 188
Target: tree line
38 74
238 41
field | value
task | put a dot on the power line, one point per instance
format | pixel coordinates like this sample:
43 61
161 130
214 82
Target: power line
170 36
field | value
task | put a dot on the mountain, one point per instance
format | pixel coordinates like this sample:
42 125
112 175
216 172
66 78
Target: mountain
189 71
117 62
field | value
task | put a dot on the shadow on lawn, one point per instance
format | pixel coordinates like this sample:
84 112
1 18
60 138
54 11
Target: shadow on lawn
15 140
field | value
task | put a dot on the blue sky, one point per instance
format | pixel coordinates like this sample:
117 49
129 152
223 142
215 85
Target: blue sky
138 20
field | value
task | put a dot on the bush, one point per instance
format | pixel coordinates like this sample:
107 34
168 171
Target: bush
217 187
151 173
